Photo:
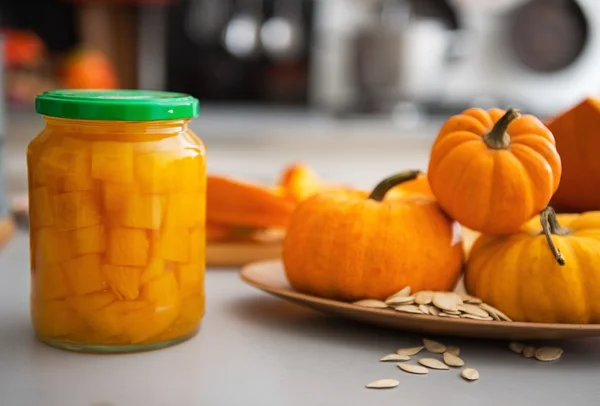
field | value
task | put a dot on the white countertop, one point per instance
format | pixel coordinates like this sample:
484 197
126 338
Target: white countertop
254 349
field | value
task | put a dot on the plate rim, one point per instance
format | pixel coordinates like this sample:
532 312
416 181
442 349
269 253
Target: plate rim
292 294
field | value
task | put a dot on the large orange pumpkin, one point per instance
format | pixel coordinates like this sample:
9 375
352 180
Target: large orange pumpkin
493 170
577 134
349 245
544 273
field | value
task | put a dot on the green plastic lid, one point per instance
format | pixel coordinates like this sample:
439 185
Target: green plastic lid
118 105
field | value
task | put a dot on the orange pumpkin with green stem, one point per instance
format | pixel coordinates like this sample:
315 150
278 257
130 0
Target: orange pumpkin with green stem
349 245
494 170
546 272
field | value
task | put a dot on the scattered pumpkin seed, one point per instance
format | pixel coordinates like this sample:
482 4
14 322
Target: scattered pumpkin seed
474 310
395 357
434 346
383 384
409 351
405 291
434 310
372 303
423 297
408 309
395 300
453 350
470 374
413 369
424 308
447 301
432 363
453 360
548 353
516 347
528 352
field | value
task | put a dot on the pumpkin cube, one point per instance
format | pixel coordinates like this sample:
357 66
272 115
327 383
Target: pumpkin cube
75 210
192 310
146 324
143 211
197 245
89 240
190 278
151 171
185 210
50 246
163 291
41 209
84 274
90 303
188 174
175 244
114 195
112 161
123 280
53 163
55 319
79 176
155 268
127 246
113 319
50 283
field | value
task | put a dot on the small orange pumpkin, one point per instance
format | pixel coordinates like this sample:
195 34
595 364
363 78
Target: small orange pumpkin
544 273
494 170
349 245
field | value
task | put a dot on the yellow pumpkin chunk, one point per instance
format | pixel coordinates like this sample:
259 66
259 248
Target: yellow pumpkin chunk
112 161
143 211
151 171
128 247
114 195
53 163
84 274
51 246
155 268
145 324
123 280
163 290
190 278
186 174
55 319
89 240
41 209
92 302
175 244
75 210
49 283
184 210
197 245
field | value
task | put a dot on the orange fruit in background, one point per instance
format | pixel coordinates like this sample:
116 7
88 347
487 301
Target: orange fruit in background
88 69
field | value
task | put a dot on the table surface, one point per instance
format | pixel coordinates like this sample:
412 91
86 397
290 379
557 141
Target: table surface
254 349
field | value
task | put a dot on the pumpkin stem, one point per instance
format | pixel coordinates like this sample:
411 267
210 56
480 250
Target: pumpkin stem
551 226
385 185
498 138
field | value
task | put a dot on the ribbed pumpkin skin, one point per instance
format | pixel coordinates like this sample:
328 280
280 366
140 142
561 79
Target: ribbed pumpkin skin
493 191
519 275
343 246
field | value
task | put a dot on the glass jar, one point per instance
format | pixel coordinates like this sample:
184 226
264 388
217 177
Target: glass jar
117 192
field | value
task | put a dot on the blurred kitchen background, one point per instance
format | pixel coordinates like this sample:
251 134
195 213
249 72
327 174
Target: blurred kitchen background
356 88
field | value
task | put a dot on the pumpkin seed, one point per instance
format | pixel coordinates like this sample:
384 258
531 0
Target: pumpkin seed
473 310
470 316
424 308
493 311
517 348
432 363
413 369
444 314
395 300
409 351
394 357
453 360
434 346
408 309
447 301
548 353
474 300
528 352
453 350
372 303
383 384
424 297
405 291
434 310
470 374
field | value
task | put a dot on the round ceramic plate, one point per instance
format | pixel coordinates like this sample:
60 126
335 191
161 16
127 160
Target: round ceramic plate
234 254
269 276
